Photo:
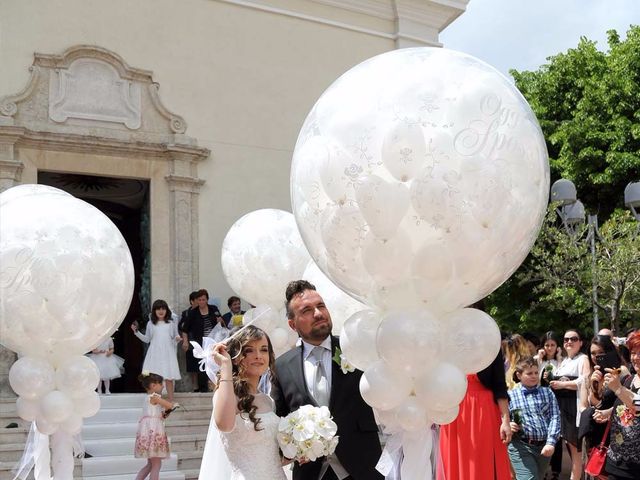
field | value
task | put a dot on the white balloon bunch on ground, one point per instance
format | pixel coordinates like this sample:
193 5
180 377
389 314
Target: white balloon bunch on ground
66 281
419 182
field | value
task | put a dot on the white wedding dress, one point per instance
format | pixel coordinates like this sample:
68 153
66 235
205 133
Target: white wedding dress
244 453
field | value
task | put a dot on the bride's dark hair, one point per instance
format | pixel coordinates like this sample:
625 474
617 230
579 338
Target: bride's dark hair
236 349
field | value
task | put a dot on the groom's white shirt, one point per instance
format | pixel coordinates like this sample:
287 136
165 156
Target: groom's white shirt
309 363
309 376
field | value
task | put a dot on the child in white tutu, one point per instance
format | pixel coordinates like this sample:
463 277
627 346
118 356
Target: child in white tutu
109 364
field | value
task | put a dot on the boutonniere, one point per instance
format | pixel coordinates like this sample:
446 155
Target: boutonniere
342 361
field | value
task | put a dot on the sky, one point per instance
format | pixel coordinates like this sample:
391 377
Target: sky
521 34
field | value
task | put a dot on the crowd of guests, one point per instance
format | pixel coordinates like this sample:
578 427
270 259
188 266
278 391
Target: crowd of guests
541 396
165 331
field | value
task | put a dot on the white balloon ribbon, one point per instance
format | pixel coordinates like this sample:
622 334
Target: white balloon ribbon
391 457
205 354
36 456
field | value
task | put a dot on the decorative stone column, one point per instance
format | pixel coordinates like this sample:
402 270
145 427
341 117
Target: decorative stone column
184 186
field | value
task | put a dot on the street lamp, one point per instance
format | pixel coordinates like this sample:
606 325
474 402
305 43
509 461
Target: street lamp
571 212
632 198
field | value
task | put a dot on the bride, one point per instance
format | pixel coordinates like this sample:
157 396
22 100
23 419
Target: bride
243 419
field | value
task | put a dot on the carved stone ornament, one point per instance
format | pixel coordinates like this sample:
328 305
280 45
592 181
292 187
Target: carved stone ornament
93 91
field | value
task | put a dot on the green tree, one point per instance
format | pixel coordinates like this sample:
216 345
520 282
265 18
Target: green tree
588 104
562 270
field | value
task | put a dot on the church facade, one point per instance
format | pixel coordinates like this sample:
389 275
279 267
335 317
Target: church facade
177 118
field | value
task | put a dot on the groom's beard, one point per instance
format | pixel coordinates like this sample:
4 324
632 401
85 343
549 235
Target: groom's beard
321 331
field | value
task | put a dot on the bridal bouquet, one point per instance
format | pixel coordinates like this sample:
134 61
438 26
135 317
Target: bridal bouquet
307 433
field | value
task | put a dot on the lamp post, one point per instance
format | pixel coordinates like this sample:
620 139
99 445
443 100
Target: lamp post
632 198
571 212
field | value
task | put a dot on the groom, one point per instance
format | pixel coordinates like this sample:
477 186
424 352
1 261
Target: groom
309 375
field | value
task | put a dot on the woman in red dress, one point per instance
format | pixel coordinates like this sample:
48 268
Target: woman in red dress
474 445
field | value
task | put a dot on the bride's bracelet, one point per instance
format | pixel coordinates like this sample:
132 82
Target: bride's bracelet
225 380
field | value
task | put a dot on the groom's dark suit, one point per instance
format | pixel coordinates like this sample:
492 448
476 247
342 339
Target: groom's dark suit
358 447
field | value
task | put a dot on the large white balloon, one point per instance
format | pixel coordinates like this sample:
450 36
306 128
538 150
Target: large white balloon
72 425
340 305
473 341
87 405
441 388
27 409
410 340
358 338
420 178
382 387
56 407
444 417
45 427
31 377
261 253
66 274
77 376
411 415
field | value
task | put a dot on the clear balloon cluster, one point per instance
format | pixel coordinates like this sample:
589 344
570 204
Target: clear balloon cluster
261 254
420 177
66 281
66 274
55 398
415 364
419 183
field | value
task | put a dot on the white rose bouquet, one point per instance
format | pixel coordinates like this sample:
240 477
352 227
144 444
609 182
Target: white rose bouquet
307 434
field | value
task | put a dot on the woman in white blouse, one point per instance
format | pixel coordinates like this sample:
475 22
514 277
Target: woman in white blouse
568 377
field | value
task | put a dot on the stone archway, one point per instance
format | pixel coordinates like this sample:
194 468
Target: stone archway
87 112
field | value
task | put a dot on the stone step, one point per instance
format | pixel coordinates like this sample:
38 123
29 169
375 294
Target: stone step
110 435
100 431
97 468
121 464
175 429
131 476
119 400
134 400
191 474
105 447
7 474
11 452
189 460
13 435
127 415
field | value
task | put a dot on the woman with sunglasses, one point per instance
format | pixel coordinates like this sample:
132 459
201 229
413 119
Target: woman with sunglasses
573 370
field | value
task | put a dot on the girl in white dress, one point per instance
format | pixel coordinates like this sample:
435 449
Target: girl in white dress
245 418
109 365
162 336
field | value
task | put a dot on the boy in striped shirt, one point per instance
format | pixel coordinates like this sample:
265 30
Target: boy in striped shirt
536 424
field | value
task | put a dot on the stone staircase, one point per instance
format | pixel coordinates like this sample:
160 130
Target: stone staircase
109 437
